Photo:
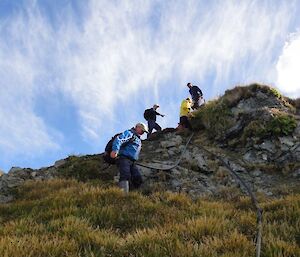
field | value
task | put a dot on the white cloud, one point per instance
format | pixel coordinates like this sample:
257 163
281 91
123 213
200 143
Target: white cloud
288 79
118 53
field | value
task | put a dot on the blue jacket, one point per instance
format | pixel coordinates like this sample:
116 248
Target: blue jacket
128 144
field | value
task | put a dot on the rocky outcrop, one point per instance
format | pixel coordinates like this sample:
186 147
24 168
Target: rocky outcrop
17 176
200 173
260 141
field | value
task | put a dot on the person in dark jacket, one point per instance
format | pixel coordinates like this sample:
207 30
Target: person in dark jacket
196 94
128 146
151 118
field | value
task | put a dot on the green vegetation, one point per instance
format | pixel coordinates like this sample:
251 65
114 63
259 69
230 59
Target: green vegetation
280 125
85 168
233 96
70 218
215 117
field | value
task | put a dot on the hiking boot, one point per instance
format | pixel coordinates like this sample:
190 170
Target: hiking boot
124 185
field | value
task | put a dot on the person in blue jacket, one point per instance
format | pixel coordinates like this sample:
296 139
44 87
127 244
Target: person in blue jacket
127 147
196 94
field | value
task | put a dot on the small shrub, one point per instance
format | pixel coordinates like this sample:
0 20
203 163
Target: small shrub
85 168
215 117
255 128
275 92
281 125
233 96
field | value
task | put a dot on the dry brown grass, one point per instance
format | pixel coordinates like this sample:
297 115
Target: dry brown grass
69 218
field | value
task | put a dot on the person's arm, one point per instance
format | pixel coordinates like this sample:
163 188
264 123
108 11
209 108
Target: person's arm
119 141
199 91
162 115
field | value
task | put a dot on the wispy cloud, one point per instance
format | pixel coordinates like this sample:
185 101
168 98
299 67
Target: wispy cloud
22 132
121 56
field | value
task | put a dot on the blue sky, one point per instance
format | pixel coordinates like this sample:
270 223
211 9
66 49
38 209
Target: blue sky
74 73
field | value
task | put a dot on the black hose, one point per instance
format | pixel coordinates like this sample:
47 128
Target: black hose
259 211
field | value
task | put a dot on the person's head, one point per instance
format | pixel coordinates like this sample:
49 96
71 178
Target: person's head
141 128
188 99
155 106
189 85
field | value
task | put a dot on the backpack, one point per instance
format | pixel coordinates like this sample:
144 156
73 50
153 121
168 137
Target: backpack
147 114
108 149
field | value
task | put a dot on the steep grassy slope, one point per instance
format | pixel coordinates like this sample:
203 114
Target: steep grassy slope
69 218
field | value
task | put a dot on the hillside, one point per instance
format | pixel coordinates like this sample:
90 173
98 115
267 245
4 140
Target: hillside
197 208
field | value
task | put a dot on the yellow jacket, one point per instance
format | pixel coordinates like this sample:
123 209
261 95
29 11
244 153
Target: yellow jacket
185 107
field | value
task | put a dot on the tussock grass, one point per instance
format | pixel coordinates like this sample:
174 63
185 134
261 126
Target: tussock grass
215 117
71 218
233 96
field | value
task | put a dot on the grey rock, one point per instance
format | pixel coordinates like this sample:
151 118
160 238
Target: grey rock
289 141
202 164
171 152
159 150
250 156
296 148
236 167
12 181
59 163
14 169
173 142
145 171
1 173
188 156
175 183
5 198
296 174
51 170
268 146
256 173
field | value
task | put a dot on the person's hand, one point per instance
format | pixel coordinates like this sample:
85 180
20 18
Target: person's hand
162 115
113 154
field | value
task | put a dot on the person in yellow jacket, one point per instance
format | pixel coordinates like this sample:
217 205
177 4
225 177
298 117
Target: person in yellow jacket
185 109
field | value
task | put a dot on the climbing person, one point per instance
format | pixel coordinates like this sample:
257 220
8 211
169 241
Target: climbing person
127 147
150 115
185 110
196 94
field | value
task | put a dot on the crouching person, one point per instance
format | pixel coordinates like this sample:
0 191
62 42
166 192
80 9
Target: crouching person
127 147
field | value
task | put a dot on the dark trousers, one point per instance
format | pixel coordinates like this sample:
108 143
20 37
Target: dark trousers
129 172
153 125
184 121
195 103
